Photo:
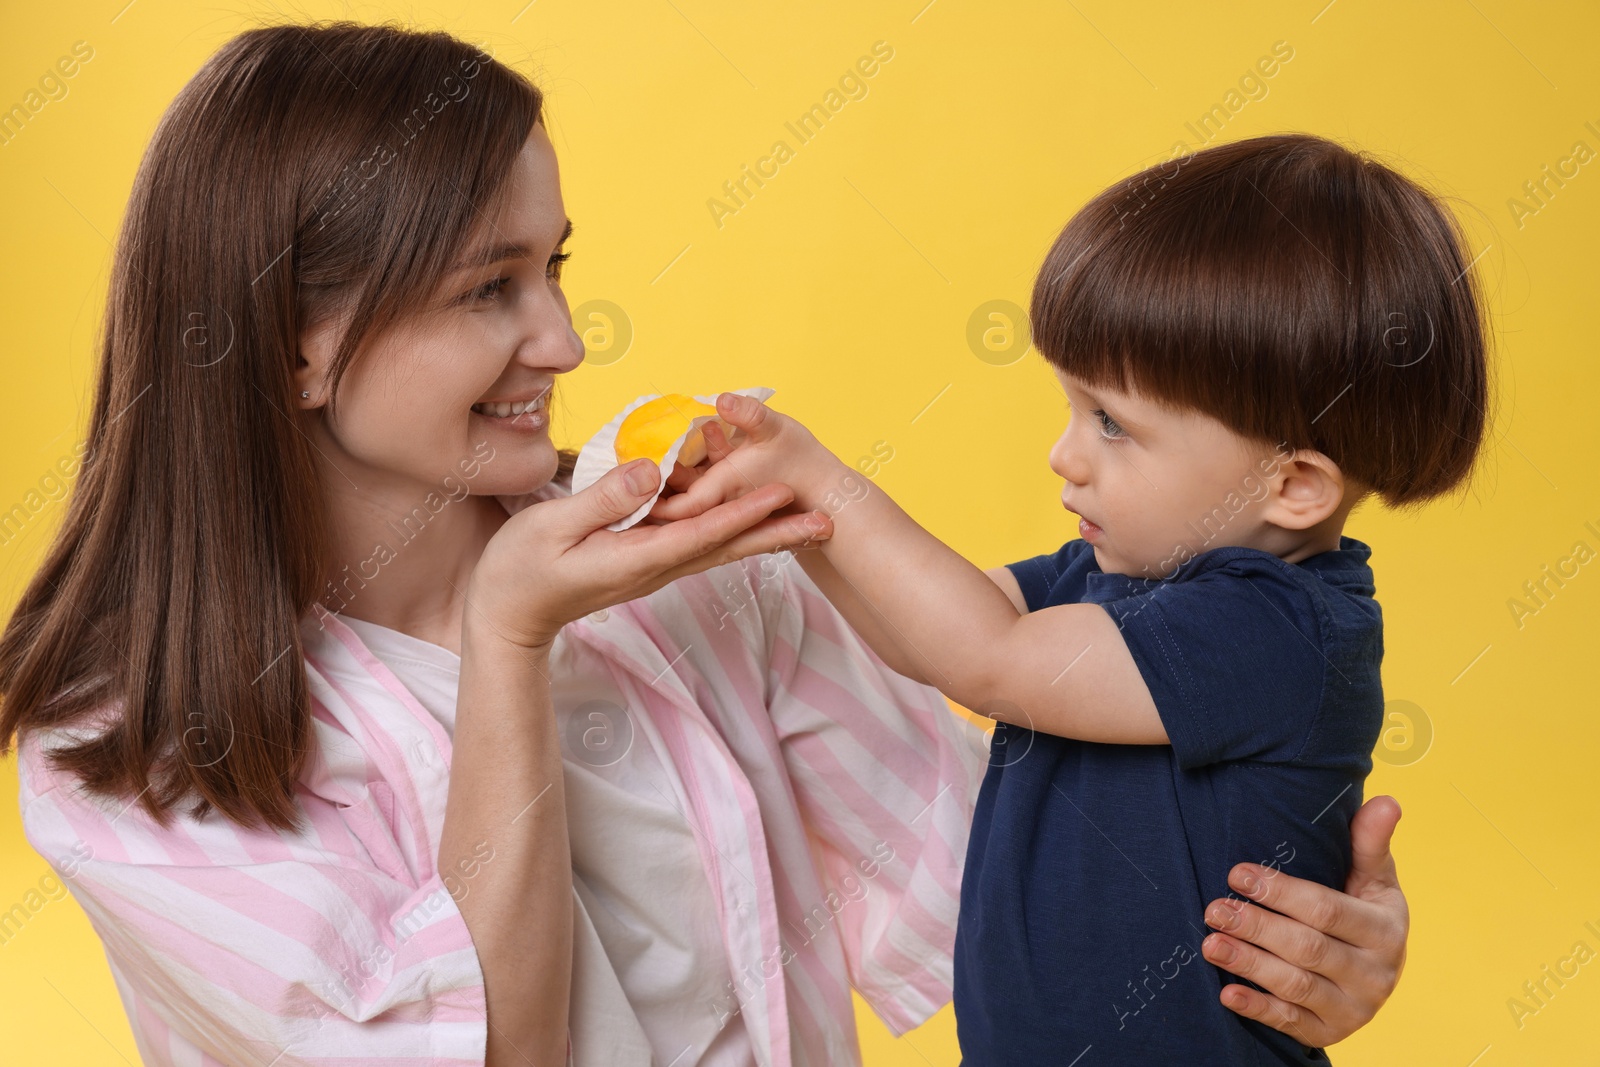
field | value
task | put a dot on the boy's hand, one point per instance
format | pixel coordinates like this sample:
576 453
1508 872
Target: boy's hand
767 446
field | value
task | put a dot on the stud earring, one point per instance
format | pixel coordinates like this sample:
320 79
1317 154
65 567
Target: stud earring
305 395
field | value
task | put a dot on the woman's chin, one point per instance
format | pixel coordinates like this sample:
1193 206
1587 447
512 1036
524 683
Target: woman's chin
513 472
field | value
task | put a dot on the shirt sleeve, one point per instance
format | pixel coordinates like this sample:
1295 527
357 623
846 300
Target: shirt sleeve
1037 575
1233 660
254 947
886 775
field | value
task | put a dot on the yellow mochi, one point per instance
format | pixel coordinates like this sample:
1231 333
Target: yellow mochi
651 428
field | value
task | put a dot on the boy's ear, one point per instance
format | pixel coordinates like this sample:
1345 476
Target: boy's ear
1308 488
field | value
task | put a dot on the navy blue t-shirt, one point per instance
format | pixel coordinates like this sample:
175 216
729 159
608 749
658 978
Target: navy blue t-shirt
1090 865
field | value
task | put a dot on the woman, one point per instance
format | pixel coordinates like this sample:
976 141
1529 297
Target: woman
350 753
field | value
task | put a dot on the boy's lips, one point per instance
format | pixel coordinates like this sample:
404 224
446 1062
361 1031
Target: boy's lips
1088 529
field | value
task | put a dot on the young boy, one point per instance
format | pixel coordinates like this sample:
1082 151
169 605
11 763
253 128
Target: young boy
1252 339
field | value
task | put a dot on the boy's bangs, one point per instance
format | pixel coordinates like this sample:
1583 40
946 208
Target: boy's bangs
1193 312
1296 291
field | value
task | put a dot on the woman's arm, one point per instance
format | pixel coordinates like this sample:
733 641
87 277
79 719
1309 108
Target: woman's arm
1328 960
506 793
547 565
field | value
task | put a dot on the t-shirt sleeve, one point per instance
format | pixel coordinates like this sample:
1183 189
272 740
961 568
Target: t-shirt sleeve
1233 660
1038 575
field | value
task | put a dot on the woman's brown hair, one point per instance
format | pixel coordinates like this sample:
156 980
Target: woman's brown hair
1297 291
305 171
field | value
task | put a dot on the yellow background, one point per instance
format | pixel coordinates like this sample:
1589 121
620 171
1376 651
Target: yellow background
847 283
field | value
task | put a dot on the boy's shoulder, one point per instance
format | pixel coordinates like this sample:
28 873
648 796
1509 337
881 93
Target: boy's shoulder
1058 577
1344 573
1337 583
1229 601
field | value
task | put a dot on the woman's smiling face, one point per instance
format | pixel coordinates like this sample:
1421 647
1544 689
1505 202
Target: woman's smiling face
468 376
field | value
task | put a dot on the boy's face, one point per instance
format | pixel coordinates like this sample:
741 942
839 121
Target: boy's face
1155 486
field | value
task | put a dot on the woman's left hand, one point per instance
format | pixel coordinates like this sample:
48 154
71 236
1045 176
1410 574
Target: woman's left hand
1328 960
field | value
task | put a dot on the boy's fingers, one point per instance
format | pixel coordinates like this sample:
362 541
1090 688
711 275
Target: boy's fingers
718 447
677 543
683 477
748 414
710 488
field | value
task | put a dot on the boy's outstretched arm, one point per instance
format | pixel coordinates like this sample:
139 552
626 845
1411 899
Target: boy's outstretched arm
1062 670
871 624
868 623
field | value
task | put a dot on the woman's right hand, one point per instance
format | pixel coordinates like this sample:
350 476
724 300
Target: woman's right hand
1325 961
555 562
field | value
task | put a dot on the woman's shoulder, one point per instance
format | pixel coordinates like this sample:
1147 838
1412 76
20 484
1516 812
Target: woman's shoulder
38 771
65 821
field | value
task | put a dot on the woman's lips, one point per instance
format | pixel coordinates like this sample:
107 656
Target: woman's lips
529 421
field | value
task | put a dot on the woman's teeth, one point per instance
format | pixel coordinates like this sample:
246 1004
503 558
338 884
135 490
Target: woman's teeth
506 410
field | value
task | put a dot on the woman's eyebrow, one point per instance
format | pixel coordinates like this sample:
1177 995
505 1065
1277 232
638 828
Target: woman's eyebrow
510 251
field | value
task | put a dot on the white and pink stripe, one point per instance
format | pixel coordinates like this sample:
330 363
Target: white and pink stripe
831 796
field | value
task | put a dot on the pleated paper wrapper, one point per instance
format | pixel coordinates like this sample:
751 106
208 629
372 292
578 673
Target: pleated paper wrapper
599 453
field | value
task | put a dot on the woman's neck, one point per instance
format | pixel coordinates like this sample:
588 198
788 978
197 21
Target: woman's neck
402 556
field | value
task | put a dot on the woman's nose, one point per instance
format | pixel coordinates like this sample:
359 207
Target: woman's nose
550 342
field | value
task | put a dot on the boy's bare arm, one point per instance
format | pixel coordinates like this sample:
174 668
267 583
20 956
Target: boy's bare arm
874 628
1063 670
1002 577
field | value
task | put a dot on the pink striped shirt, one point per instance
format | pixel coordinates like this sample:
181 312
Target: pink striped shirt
831 797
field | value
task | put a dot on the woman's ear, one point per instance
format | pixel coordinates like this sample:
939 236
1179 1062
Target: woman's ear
317 347
1308 488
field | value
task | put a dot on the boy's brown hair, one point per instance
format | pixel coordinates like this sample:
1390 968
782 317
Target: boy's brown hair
1296 291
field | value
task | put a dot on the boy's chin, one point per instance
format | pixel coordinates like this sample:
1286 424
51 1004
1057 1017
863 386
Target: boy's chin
1111 563
1107 561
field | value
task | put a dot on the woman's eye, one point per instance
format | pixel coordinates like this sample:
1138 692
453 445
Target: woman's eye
1109 429
489 289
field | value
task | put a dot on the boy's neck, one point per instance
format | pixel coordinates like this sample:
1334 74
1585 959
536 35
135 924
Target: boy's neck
1294 546
1312 546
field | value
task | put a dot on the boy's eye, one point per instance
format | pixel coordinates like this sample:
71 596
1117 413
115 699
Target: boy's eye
1109 429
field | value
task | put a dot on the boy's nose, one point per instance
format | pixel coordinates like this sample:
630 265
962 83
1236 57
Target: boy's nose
1068 461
